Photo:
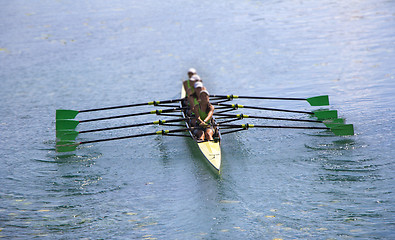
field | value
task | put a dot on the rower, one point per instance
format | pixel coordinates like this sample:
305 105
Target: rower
204 112
188 84
195 98
198 88
191 72
195 91
191 96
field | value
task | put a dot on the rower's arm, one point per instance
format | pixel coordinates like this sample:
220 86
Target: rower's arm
210 114
191 103
196 111
185 86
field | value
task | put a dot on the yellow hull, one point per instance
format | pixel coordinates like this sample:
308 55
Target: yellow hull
210 149
212 152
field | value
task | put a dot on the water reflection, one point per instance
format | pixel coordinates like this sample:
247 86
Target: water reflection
340 163
337 145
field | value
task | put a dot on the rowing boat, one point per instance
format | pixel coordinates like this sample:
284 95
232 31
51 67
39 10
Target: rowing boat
66 124
210 149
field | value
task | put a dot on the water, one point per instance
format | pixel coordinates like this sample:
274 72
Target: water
275 184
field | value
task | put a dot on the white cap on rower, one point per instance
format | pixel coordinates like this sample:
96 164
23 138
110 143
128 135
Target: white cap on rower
195 77
192 70
204 91
198 85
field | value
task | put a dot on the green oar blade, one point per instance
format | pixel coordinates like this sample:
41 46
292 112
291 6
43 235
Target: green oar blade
66 134
66 114
319 100
325 114
343 129
63 124
66 146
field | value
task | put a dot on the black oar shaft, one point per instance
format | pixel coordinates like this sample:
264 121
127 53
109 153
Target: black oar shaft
113 128
163 132
118 138
132 105
241 116
114 117
278 110
291 127
236 106
131 115
108 108
253 97
246 126
134 125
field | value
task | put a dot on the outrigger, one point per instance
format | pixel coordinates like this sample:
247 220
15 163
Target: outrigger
66 124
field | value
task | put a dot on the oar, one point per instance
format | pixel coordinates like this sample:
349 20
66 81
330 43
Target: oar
320 114
327 123
67 146
72 134
70 114
62 124
338 130
313 101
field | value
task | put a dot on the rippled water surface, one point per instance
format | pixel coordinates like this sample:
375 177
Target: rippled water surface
274 183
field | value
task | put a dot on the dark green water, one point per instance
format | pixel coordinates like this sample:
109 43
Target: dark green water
275 184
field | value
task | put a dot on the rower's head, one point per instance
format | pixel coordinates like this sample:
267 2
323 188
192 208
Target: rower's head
198 85
204 96
195 78
191 72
